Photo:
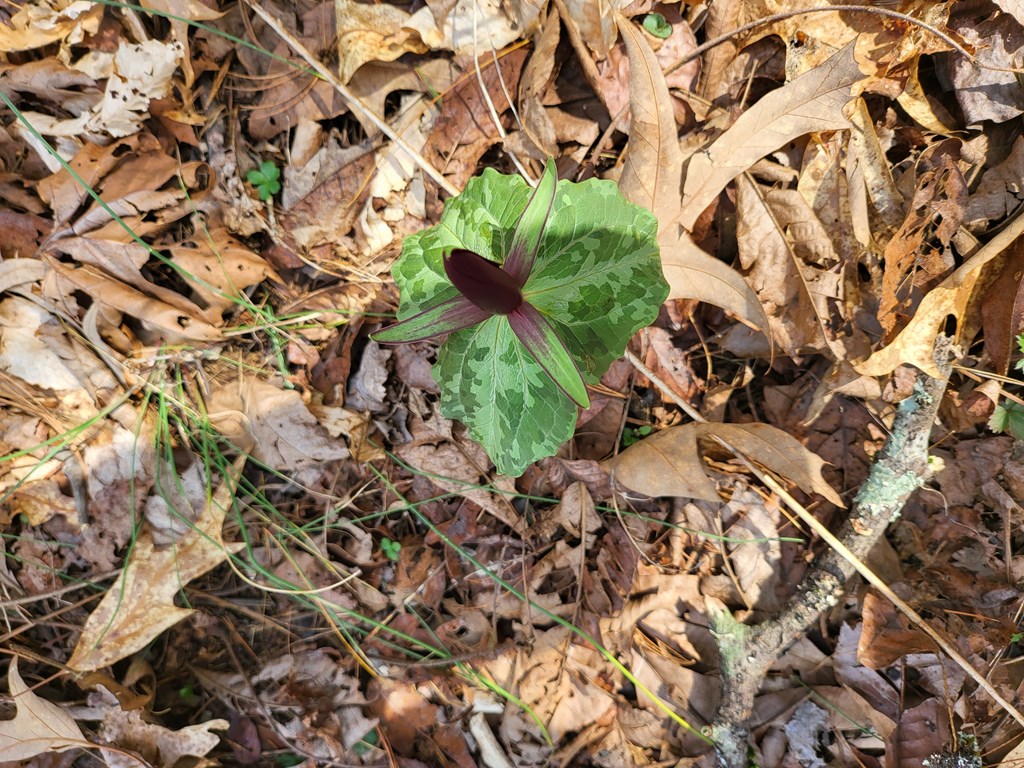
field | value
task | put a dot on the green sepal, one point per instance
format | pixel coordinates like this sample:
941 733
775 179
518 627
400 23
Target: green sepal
449 316
543 344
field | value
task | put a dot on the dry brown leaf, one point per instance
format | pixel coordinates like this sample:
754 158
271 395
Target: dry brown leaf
985 88
179 13
669 463
755 549
918 737
886 636
596 23
812 102
273 424
694 274
914 345
653 168
139 73
23 353
372 32
871 179
787 255
999 194
927 111
170 324
159 745
36 25
650 177
38 727
139 606
219 268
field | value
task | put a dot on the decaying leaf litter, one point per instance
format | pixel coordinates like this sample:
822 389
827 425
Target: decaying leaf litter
239 531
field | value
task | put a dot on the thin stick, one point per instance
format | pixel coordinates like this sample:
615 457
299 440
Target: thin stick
869 576
727 36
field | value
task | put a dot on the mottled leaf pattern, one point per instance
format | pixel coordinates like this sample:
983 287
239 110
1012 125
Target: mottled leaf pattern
598 274
510 406
481 219
597 278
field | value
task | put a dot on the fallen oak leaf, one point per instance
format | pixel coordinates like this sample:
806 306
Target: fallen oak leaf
39 726
810 103
669 462
953 296
651 177
140 604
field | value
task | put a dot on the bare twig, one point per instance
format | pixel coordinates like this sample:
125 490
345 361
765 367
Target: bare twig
748 652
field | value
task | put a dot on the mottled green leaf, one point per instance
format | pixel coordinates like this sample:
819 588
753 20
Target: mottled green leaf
481 219
508 403
598 273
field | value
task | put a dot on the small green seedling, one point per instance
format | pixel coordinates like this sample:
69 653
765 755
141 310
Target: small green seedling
632 435
1009 417
390 548
656 24
265 179
539 295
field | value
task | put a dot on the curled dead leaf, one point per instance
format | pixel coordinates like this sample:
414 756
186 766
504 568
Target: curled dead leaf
669 463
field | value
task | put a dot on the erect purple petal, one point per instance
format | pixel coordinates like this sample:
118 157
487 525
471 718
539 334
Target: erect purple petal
526 239
482 282
452 315
540 339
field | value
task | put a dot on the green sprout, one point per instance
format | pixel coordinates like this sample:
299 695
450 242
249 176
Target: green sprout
390 548
656 24
265 179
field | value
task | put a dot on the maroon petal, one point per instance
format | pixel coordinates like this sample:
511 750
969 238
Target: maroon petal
482 281
449 316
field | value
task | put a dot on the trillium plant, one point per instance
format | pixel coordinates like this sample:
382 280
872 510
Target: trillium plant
537 293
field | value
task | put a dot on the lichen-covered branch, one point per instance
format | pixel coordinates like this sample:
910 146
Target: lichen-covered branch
747 652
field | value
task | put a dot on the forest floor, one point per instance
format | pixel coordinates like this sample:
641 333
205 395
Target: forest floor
239 531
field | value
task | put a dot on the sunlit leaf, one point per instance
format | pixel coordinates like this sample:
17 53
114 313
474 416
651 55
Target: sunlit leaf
543 344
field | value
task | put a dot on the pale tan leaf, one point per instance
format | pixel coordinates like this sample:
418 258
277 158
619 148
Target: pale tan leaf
15 272
140 604
927 111
173 323
36 25
694 274
23 353
914 345
273 425
669 463
219 268
39 725
372 32
650 177
595 21
812 102
783 248
653 168
870 173
159 745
